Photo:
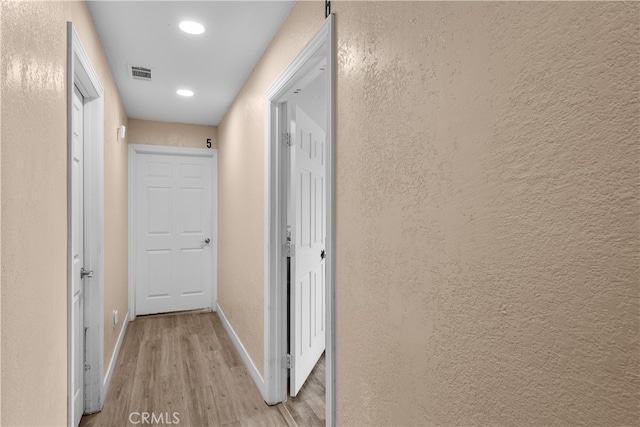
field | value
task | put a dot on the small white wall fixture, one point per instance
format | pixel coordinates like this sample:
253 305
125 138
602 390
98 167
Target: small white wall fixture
81 73
275 379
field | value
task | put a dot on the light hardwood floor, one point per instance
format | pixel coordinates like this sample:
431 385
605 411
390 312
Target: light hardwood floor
307 408
185 363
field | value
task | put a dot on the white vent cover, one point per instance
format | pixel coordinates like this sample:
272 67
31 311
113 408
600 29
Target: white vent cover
140 73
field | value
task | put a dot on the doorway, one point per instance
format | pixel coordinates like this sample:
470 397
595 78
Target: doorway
173 232
300 225
85 228
305 108
79 275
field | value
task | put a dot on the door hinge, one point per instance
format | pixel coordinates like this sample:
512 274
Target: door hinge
288 249
288 139
85 273
87 366
286 362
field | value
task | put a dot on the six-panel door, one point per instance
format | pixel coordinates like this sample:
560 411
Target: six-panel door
77 256
308 267
173 231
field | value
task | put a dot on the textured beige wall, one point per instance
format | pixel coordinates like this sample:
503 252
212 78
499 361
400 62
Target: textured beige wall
34 207
34 188
487 210
241 184
487 213
171 134
1 68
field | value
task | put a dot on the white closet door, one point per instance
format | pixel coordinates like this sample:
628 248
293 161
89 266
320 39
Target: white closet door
173 227
308 233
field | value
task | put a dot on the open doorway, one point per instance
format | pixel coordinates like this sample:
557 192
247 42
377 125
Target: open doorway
305 107
299 249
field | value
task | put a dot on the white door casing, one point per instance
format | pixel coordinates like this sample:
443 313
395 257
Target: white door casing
173 228
77 252
307 192
85 227
276 375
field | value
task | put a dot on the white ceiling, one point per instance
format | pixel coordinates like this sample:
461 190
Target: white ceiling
214 65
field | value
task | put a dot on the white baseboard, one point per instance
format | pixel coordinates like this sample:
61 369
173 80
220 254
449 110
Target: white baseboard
114 358
253 371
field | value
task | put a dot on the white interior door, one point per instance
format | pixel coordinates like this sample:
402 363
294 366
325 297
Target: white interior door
77 253
307 207
173 229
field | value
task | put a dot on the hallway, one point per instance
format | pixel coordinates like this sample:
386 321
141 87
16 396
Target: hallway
485 229
184 367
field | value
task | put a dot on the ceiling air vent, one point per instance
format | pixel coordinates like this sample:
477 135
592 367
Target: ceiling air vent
141 73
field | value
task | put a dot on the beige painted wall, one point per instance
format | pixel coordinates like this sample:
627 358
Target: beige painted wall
34 210
1 68
241 184
488 217
171 134
488 244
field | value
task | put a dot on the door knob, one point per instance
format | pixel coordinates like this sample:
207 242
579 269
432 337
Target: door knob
85 273
207 240
322 254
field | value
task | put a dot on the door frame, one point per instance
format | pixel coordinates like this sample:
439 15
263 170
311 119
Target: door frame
80 73
134 151
275 308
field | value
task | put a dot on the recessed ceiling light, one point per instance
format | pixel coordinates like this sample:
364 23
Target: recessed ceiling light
184 92
191 27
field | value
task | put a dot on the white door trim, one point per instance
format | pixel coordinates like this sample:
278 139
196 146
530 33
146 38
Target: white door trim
275 300
134 151
81 73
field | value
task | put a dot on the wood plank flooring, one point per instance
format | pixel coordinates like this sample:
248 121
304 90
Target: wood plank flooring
186 364
308 407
